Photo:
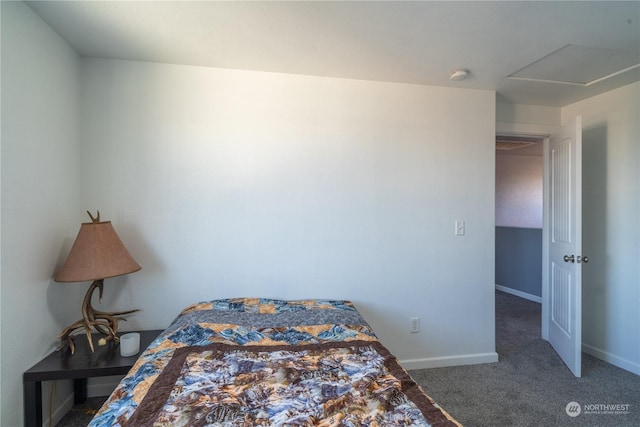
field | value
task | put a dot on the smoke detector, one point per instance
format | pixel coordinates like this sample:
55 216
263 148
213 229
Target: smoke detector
458 75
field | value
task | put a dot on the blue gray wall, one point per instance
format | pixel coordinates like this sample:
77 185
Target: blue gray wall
519 259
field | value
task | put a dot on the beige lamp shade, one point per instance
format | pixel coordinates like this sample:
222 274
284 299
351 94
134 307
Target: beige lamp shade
97 253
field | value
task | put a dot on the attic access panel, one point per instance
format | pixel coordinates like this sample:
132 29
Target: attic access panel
579 65
509 142
520 145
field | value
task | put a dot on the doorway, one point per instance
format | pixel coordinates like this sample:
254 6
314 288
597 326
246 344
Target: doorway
519 215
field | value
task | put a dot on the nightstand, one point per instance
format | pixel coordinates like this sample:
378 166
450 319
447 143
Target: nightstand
105 361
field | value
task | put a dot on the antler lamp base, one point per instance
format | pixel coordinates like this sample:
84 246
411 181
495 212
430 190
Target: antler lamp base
105 323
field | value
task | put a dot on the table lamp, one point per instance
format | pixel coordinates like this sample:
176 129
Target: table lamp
96 254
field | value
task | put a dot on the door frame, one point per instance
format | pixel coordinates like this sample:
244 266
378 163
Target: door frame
546 215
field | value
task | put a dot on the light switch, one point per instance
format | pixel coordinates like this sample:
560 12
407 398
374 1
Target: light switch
459 228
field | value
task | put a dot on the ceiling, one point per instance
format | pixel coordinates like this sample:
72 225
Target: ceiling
417 42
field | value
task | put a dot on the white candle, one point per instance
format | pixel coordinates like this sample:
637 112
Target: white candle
129 344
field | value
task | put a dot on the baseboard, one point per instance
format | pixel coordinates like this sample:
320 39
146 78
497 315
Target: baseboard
59 412
520 294
441 362
620 362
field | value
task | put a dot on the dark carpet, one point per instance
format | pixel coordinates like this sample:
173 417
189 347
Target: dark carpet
529 386
80 415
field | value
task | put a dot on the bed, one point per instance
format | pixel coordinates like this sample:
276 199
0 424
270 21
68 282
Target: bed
265 362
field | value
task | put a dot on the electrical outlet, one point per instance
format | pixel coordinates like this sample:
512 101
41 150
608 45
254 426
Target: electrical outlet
414 325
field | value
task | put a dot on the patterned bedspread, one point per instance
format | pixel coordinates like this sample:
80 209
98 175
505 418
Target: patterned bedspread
264 362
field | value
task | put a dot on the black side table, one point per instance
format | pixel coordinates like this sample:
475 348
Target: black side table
105 361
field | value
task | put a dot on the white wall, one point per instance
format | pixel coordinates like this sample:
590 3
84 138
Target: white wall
532 115
40 195
231 183
611 230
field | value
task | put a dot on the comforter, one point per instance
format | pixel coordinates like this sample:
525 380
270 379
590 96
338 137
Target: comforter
259 362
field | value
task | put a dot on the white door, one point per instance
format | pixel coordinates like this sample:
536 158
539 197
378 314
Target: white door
564 265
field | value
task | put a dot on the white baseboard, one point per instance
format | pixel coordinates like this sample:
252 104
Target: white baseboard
59 412
441 362
618 361
520 294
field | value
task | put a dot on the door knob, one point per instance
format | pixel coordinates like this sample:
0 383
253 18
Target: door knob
584 259
571 258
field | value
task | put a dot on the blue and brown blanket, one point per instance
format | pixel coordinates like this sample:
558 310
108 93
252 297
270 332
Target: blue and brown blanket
265 362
